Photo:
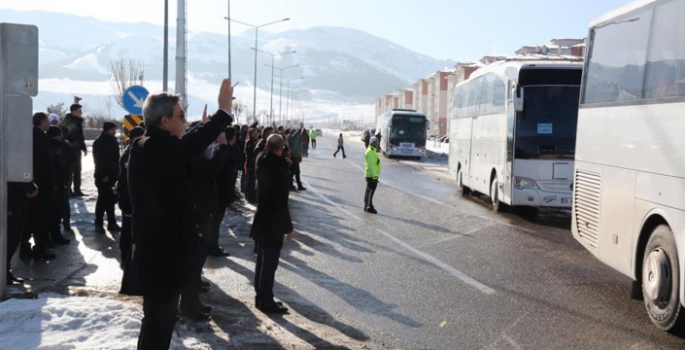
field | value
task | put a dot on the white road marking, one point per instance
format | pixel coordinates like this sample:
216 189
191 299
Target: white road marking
427 257
431 259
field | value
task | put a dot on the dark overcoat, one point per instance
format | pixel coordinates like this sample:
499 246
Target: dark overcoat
272 220
164 226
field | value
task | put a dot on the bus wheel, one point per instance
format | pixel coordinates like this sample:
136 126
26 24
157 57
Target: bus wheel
460 182
661 280
494 198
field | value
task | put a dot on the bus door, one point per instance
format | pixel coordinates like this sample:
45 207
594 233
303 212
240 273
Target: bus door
508 177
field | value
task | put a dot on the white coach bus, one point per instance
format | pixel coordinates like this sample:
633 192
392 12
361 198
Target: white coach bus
403 133
513 131
630 155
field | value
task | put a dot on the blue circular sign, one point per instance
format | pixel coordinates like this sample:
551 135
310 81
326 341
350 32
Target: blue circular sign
134 98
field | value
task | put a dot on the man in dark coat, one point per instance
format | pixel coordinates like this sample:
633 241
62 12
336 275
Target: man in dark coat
106 158
60 167
251 182
72 126
271 222
205 167
126 238
226 196
40 208
161 264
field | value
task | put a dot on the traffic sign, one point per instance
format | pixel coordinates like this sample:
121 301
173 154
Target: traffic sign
134 98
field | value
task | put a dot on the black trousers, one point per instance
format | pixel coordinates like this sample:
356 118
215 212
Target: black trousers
159 317
66 208
191 299
38 221
313 144
75 173
340 148
268 256
295 173
251 184
212 239
16 215
305 149
371 185
126 237
105 203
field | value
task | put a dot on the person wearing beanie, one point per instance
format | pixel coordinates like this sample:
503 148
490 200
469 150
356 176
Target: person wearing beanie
106 158
54 119
61 156
121 189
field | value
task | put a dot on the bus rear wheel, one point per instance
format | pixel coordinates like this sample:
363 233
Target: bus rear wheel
661 281
460 182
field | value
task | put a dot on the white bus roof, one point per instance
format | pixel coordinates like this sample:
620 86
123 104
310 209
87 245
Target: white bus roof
518 63
405 112
620 11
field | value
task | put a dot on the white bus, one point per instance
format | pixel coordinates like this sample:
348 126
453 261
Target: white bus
403 133
630 155
513 132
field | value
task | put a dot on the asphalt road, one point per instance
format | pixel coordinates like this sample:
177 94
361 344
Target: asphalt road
435 270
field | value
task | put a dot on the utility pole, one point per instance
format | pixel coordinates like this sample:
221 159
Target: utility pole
181 63
165 79
229 40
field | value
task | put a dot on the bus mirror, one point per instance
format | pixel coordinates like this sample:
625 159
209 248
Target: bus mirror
428 125
518 99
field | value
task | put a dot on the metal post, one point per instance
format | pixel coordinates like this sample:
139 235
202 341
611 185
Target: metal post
271 104
229 39
256 46
181 53
165 79
280 97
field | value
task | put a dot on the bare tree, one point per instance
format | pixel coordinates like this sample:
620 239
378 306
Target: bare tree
58 109
124 75
238 109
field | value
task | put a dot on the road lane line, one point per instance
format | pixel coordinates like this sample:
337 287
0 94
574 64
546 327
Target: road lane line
435 201
427 257
433 260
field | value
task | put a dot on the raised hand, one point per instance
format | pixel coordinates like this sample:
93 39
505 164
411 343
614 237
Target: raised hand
205 117
226 96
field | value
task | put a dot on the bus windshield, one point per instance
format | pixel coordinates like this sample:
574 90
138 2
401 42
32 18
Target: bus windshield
406 128
546 129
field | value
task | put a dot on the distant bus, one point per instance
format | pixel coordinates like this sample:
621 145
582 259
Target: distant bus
403 133
513 132
630 155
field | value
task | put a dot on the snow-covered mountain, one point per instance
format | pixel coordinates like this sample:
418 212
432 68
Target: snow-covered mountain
341 64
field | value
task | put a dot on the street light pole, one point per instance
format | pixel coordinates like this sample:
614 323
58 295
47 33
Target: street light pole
256 45
280 108
165 70
229 39
273 58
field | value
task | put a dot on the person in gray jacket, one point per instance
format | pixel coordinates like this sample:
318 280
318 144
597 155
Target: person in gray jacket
341 147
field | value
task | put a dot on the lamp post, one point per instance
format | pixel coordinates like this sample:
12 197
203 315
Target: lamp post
287 101
256 45
273 58
280 103
229 39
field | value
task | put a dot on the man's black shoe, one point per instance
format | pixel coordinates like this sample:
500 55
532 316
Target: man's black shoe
14 281
78 193
100 229
258 304
67 228
273 308
371 210
72 194
301 188
113 227
217 252
42 253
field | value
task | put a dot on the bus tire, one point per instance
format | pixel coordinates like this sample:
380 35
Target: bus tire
494 195
661 281
460 182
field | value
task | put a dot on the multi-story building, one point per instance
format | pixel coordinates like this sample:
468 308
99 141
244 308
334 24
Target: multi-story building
462 71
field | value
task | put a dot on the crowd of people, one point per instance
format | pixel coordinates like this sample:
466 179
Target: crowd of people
173 185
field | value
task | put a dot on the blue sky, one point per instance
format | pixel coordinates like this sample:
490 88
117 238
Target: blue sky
455 29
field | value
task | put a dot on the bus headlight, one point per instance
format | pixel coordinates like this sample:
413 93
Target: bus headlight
524 182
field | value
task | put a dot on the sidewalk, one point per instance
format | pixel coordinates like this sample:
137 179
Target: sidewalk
72 302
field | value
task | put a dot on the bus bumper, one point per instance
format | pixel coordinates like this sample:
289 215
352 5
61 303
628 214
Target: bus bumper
530 197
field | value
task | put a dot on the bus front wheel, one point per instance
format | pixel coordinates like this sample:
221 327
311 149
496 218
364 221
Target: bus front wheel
661 281
494 195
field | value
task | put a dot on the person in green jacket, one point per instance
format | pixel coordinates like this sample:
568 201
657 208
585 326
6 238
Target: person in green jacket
312 136
373 170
